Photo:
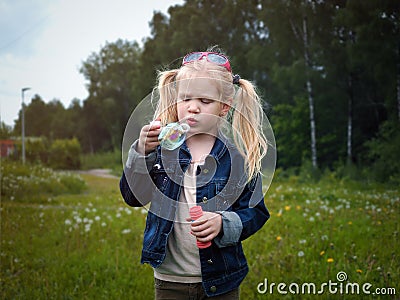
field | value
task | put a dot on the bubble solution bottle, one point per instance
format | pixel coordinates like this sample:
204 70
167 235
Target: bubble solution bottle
195 213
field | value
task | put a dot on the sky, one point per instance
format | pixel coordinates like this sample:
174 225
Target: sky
44 42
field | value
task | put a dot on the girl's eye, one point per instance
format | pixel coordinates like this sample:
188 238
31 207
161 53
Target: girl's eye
206 101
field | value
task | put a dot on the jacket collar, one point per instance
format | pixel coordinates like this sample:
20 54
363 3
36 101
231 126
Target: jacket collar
221 145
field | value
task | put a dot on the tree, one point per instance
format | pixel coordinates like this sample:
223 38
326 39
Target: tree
5 131
114 90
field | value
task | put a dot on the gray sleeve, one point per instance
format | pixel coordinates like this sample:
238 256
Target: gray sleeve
232 229
139 163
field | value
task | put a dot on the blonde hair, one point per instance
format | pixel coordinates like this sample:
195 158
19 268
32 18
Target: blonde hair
247 115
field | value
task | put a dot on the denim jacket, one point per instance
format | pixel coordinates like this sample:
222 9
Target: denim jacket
222 187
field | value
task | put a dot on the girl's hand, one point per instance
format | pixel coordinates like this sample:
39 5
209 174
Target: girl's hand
148 138
207 227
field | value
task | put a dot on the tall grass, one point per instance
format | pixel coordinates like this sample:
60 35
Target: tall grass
21 182
88 246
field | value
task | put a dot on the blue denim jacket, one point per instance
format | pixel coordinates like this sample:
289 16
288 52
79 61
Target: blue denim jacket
222 187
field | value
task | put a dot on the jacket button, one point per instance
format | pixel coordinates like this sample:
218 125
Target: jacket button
210 262
205 199
213 289
205 171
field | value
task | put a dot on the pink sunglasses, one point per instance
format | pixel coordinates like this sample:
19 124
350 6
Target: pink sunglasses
212 57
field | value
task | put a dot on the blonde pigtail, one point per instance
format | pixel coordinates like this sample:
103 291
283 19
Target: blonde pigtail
166 107
247 127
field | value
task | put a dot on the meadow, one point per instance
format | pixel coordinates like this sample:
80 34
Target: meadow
81 241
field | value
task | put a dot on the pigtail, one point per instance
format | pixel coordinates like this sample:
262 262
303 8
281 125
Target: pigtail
166 107
247 127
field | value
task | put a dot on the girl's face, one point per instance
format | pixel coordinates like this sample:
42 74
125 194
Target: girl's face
199 105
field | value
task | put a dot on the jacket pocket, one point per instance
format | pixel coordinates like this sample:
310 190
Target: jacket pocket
223 192
233 257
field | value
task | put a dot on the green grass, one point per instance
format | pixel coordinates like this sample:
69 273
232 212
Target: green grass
87 245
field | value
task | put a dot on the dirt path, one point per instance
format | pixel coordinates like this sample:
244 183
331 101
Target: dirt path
106 173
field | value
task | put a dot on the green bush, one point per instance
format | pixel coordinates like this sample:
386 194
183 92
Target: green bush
384 154
104 160
65 154
36 150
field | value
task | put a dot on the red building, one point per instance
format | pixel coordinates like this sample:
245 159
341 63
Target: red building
7 147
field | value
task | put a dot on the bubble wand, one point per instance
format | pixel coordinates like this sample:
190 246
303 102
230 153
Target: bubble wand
172 135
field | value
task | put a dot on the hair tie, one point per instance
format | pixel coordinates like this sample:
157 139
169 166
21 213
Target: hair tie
236 79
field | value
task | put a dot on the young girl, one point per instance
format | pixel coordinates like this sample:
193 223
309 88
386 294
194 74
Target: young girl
219 173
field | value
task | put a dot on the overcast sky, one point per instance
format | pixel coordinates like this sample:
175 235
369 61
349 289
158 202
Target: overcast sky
44 42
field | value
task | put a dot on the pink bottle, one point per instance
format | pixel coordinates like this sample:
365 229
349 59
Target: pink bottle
195 213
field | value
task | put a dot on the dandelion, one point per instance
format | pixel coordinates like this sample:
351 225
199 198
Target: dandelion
300 254
287 207
68 222
97 218
330 260
350 223
118 215
302 241
104 224
359 271
311 219
278 238
322 253
126 231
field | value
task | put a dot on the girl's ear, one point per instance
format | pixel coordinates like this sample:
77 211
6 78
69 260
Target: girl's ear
225 107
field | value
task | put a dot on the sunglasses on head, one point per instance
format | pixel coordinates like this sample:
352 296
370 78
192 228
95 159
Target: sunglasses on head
213 57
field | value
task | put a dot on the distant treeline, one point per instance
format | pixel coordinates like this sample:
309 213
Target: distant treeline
328 71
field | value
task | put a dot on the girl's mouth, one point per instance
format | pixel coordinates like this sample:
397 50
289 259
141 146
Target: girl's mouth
191 121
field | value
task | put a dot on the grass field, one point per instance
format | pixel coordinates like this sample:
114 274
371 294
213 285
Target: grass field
87 245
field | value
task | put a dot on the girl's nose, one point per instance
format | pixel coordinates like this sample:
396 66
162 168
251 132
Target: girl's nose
193 107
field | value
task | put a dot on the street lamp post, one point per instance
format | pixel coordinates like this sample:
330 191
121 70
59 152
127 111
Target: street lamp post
23 123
